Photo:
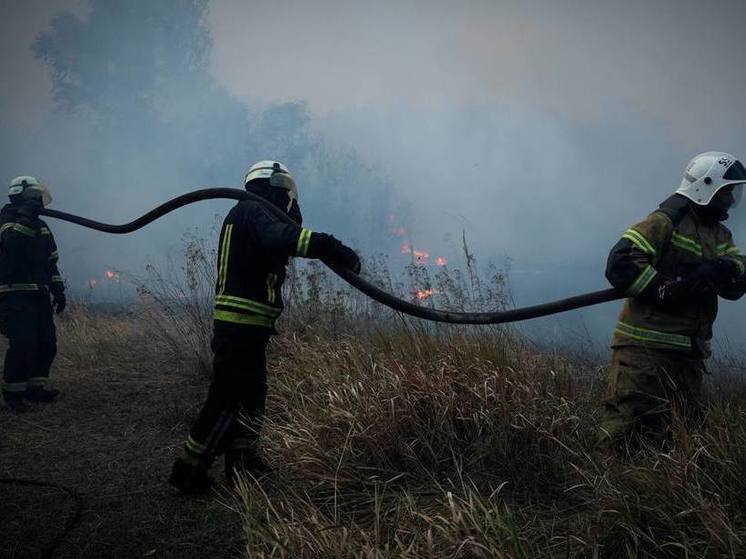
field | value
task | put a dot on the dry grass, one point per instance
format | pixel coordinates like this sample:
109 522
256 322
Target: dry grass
389 438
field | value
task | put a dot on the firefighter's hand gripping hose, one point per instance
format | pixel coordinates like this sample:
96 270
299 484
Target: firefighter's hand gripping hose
496 317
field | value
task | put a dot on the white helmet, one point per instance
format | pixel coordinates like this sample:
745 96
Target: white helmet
709 172
29 187
278 176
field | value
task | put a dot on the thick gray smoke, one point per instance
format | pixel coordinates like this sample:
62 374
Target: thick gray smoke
541 129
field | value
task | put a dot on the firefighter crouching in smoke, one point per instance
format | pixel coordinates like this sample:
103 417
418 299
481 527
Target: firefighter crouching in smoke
28 275
252 255
673 266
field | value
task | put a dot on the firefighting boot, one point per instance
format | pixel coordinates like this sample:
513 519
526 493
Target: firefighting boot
41 394
14 401
244 462
189 479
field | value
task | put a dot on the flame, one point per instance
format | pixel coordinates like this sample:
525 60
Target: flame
420 256
422 294
441 261
112 275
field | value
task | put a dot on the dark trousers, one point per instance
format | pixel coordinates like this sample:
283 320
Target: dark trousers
231 416
26 319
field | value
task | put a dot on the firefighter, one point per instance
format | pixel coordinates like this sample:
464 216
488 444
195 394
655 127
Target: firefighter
28 275
673 266
253 252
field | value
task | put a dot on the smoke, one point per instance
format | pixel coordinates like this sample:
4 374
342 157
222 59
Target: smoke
540 129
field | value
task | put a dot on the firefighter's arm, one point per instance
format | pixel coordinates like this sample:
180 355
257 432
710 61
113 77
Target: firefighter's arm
632 261
276 235
56 283
734 286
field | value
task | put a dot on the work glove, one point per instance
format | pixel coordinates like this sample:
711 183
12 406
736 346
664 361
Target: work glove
669 292
59 301
333 251
718 273
28 213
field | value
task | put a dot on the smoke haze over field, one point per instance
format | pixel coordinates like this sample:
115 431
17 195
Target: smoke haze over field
542 129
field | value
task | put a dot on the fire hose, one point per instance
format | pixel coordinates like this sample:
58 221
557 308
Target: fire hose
358 282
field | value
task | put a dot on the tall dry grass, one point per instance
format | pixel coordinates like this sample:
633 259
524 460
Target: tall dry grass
394 438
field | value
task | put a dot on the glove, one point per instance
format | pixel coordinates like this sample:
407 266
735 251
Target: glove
59 301
334 251
671 291
28 213
718 273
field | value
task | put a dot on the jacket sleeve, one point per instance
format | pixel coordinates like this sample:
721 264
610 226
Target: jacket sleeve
56 283
631 266
728 250
275 235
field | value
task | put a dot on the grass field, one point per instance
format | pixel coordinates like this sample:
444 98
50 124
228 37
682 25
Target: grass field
387 439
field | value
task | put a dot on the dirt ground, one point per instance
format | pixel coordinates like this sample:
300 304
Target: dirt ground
112 437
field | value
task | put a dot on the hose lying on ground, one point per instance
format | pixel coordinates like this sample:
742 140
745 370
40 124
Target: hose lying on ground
72 519
496 317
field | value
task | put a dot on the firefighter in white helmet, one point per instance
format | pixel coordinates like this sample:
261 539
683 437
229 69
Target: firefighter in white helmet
674 266
28 276
253 252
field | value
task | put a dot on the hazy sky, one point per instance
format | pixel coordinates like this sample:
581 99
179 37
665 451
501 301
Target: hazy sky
541 128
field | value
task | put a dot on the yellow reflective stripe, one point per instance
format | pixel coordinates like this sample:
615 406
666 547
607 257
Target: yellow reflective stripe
686 243
247 304
19 287
304 238
57 279
248 319
45 231
194 446
14 386
28 231
37 381
642 281
647 335
271 283
54 256
223 268
639 241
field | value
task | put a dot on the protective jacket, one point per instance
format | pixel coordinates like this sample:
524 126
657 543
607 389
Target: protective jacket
253 251
669 244
28 254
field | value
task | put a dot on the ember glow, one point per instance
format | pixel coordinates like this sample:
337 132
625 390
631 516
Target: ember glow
422 294
420 256
441 261
112 275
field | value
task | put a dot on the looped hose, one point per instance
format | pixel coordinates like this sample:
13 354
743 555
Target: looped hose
358 282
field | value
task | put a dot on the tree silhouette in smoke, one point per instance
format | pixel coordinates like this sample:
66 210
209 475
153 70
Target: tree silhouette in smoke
135 79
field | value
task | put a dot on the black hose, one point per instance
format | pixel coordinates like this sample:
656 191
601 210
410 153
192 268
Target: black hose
72 519
496 317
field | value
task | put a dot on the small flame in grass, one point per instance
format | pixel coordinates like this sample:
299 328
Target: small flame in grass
423 294
112 275
441 261
92 283
420 256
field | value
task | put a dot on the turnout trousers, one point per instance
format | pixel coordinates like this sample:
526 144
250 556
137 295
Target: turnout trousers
647 387
26 319
231 417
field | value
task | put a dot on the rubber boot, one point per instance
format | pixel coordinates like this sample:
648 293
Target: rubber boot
189 479
245 463
41 394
